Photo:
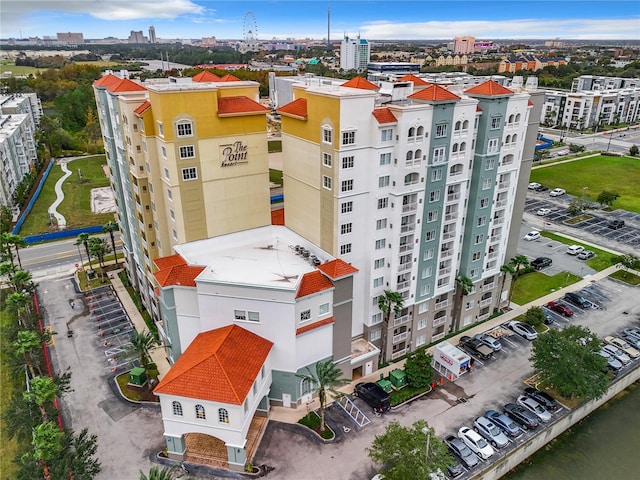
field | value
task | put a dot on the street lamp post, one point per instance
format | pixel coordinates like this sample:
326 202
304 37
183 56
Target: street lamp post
80 255
427 432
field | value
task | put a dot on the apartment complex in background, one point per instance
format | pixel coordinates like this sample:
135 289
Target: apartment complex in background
528 62
188 161
464 45
355 53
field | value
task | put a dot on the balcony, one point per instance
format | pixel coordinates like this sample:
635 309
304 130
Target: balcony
408 228
439 321
442 304
498 221
448 235
400 320
489 286
444 271
400 337
403 285
399 353
437 337
453 197
503 185
492 255
410 207
485 302
501 204
404 267
484 316
451 216
407 247
494 239
446 253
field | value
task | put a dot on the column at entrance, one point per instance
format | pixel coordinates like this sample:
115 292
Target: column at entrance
237 456
176 447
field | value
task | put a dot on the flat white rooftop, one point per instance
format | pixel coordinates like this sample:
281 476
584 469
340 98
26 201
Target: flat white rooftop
264 256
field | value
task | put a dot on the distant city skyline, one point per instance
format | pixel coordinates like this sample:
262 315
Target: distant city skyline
300 19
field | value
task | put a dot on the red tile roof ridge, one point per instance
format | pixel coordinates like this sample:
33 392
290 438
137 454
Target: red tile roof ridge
106 80
313 282
238 105
296 108
384 115
489 88
434 93
417 81
125 85
361 83
337 268
205 76
144 106
313 326
169 261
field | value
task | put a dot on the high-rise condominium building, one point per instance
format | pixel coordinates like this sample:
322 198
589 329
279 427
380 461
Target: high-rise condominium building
354 53
152 34
464 45
418 187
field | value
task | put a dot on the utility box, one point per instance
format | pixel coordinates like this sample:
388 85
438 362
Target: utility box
385 384
398 378
137 376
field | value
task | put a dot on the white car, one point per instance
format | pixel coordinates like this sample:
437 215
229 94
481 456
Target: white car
616 353
476 443
556 192
534 407
622 345
533 185
532 235
489 341
543 211
523 330
575 249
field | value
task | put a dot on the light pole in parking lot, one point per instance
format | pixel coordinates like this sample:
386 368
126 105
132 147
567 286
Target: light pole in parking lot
427 432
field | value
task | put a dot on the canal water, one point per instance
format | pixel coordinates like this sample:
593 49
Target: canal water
603 446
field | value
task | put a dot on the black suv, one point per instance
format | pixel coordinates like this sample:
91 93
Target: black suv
374 395
521 416
577 300
541 262
615 224
543 398
541 188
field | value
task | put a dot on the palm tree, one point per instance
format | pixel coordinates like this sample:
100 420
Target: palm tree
109 228
464 285
505 269
47 443
327 379
517 262
83 238
99 248
7 269
18 242
141 343
5 247
42 391
19 303
26 343
388 302
157 473
21 281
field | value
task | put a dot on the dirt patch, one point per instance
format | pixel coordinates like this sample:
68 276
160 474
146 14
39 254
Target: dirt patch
102 200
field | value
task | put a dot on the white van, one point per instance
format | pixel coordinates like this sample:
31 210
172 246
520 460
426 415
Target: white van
574 249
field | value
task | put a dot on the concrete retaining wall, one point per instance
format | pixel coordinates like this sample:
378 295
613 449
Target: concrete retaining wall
502 466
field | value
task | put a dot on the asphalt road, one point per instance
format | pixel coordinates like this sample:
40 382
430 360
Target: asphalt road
615 142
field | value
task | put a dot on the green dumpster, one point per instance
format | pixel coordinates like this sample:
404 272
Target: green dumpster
398 378
137 376
385 384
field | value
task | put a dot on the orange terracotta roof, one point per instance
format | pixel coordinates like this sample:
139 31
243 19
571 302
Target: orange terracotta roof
434 93
478 109
205 77
417 81
313 282
489 89
220 365
530 103
125 85
384 115
169 261
359 82
142 108
107 80
313 326
277 216
182 275
229 78
239 105
337 268
297 108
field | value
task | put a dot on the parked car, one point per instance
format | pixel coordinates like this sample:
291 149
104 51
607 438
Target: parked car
534 407
615 224
543 398
541 262
543 212
523 329
532 235
541 188
633 340
374 395
508 426
560 308
458 448
616 353
521 416
476 443
635 332
612 364
574 249
533 185
556 192
586 255
490 432
475 347
489 341
622 345
577 300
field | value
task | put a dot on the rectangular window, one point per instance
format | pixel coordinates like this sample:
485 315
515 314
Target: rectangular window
492 146
479 238
482 221
385 158
422 323
434 196
378 263
175 234
345 228
323 309
386 135
436 175
184 129
346 186
187 151
381 243
438 155
189 173
378 282
495 123
441 130
383 203
420 340
166 173
375 335
163 151
432 216
160 129
326 182
144 146
254 316
428 254
244 315
305 315
490 165
376 317
476 256
240 314
172 214
141 124
327 135
347 162
427 272
348 138
381 223
425 290
344 249
346 207
326 159
484 202
430 235
383 181
169 194
487 183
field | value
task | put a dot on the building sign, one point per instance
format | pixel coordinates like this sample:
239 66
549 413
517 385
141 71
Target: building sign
233 154
446 359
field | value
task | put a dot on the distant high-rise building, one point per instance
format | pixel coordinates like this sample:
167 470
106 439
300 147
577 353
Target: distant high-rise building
137 37
152 34
354 53
464 45
69 38
328 28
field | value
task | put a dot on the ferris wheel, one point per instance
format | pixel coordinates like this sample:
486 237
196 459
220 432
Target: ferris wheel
249 33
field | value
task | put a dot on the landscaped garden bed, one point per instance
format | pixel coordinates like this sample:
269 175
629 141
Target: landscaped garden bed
312 420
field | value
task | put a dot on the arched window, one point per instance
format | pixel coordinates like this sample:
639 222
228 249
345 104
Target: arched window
410 155
454 149
465 125
177 408
223 415
184 128
305 386
508 139
514 139
456 169
457 127
463 146
511 118
420 131
418 155
507 160
412 132
200 412
411 179
518 118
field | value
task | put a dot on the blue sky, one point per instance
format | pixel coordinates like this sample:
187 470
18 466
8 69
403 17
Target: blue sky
443 19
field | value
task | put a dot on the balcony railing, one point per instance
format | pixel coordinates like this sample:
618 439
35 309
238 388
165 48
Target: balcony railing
400 320
503 185
437 337
485 302
398 354
452 197
404 267
402 285
410 207
498 221
400 337
448 235
484 316
439 321
408 228
446 253
501 204
407 247
442 304
444 271
451 216
488 286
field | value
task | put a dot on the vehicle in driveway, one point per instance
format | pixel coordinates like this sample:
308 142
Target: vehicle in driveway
374 395
616 353
534 407
523 329
475 347
615 224
490 432
533 185
489 341
521 416
557 192
458 448
541 262
612 364
543 212
560 308
543 398
476 443
532 235
508 426
574 249
577 300
622 345
586 255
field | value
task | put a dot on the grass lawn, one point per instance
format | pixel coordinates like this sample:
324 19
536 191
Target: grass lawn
76 206
602 259
615 174
535 285
20 70
627 277
312 421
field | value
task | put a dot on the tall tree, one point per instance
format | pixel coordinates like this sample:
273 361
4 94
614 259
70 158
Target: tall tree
98 248
83 238
388 302
607 198
464 286
109 228
327 378
6 219
504 270
518 263
26 343
418 368
20 304
47 444
21 281
18 242
42 391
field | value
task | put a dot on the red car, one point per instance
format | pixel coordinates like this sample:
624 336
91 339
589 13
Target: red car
559 308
